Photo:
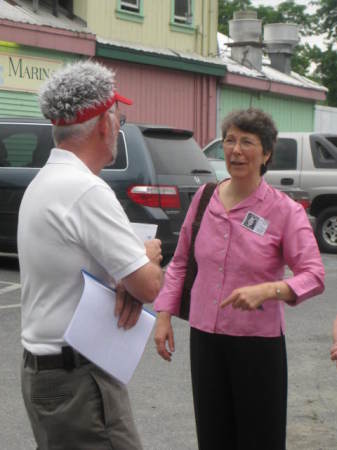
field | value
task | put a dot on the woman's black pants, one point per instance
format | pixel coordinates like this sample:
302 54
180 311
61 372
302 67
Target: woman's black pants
239 391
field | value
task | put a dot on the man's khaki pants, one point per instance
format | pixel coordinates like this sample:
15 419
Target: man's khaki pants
78 410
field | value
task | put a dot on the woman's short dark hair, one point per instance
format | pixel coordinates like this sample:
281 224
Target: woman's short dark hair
257 122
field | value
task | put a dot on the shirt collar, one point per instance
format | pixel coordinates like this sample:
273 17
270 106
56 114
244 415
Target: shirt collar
258 194
60 156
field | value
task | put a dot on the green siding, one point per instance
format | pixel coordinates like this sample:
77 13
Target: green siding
19 104
289 114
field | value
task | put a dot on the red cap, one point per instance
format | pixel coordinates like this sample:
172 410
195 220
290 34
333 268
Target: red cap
93 111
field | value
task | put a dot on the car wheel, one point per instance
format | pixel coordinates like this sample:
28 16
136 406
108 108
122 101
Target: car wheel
326 230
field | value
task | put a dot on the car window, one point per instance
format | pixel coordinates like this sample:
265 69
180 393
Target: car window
324 151
285 155
25 145
175 153
215 150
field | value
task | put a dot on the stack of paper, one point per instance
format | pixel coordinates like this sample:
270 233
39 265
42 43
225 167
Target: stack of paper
94 333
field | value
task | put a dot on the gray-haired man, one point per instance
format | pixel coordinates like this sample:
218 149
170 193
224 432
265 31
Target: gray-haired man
70 220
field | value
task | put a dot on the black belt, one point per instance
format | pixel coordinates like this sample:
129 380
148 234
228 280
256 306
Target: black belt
69 359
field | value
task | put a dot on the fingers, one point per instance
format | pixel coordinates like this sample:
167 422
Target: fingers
164 337
127 308
153 250
244 299
136 310
333 352
228 300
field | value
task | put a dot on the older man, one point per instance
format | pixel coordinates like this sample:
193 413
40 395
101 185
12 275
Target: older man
70 220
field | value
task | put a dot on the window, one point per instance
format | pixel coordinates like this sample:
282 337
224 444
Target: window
25 145
285 155
215 150
324 151
130 10
130 5
183 12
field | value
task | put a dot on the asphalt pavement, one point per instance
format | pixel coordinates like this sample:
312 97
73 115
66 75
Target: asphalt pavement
161 392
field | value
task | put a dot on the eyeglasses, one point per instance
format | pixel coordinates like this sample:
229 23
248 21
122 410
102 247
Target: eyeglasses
122 119
245 144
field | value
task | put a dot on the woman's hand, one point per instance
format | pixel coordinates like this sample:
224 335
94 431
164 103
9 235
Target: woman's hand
246 298
164 334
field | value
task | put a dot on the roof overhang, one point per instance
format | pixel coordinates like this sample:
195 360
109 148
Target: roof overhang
153 58
275 87
48 37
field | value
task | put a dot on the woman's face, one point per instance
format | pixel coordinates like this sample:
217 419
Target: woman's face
244 154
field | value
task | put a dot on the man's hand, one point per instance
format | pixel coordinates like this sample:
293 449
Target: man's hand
127 308
153 250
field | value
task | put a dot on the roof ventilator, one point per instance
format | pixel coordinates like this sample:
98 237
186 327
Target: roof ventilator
246 31
280 40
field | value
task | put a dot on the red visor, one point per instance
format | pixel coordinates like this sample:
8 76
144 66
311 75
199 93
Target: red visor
93 111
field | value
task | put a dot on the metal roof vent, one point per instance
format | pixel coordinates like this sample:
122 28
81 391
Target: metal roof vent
246 31
280 39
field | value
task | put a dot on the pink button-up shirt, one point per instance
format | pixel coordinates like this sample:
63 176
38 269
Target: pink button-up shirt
230 255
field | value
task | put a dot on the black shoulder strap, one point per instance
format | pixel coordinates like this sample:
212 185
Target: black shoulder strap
192 267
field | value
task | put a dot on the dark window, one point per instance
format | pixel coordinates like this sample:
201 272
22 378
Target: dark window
177 154
183 11
324 151
130 5
121 161
215 150
24 145
285 155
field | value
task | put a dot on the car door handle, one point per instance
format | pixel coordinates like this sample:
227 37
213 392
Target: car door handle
287 181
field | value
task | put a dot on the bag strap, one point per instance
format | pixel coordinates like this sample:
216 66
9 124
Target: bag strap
192 266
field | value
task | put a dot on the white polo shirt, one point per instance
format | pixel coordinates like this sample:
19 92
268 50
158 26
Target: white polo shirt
69 220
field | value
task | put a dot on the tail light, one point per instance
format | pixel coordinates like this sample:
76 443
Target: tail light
166 197
305 202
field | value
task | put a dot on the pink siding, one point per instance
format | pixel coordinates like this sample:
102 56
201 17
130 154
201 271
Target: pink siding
168 97
48 37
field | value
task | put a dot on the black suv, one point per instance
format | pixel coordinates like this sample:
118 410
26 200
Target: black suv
157 171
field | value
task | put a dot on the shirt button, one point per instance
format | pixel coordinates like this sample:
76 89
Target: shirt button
220 269
215 302
225 235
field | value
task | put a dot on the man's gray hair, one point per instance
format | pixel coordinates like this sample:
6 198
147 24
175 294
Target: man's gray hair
75 87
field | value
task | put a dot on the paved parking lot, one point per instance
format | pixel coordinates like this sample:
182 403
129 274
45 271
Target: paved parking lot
161 392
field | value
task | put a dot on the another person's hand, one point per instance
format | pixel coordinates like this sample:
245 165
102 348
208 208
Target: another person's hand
127 308
333 352
164 337
153 250
246 298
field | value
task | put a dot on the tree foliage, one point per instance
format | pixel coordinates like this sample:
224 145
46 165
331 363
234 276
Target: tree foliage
308 60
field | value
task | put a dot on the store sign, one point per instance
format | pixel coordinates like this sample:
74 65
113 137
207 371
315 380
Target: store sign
25 73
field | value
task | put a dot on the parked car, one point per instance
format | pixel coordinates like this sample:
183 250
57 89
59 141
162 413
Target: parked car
297 194
158 170
304 163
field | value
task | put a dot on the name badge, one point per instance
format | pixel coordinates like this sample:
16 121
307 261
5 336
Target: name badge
255 223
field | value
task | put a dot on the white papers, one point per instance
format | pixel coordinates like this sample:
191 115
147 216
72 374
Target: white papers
94 333
145 231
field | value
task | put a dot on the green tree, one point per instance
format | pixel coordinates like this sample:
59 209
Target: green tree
327 17
226 12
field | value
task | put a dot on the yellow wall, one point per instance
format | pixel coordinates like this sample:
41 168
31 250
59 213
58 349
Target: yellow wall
155 30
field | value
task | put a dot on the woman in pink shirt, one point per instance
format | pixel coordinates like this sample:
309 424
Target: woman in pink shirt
249 233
